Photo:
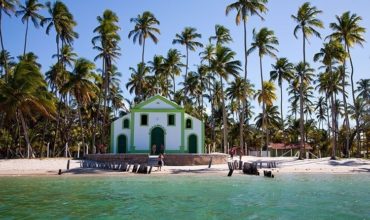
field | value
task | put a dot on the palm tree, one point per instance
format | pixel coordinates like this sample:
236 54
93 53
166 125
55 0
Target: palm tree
6 6
271 118
224 66
329 84
282 70
172 65
321 109
307 22
266 96
188 37
66 57
222 35
235 92
106 43
348 31
244 9
25 95
30 11
331 52
80 85
137 82
157 67
363 89
264 42
62 21
144 28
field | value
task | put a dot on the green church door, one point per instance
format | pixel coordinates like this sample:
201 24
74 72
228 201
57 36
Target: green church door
157 138
122 144
192 144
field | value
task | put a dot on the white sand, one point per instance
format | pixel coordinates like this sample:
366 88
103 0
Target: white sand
284 165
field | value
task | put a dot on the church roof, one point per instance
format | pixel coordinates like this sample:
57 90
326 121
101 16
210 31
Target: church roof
158 99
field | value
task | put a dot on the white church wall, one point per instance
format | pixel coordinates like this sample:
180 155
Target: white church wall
118 130
172 133
196 129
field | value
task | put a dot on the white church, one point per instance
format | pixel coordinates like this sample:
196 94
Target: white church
155 126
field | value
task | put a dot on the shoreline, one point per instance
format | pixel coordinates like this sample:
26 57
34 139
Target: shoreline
286 165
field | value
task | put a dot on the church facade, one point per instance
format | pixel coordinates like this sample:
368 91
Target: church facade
155 126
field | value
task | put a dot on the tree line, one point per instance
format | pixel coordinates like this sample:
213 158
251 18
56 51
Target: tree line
67 110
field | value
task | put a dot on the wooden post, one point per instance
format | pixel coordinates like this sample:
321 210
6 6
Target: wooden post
68 164
66 150
47 150
78 150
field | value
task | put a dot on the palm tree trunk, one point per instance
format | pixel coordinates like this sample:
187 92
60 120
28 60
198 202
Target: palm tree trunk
1 31
244 101
186 68
328 116
142 53
346 119
24 126
25 38
224 115
81 127
281 108
174 84
333 126
355 105
301 121
2 48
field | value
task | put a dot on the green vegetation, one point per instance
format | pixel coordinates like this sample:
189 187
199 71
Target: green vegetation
69 108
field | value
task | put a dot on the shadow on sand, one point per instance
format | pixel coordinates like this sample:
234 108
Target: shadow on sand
347 163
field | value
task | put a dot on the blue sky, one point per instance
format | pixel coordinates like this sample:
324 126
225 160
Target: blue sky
174 15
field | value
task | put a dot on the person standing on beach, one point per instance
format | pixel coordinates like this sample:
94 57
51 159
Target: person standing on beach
154 148
160 161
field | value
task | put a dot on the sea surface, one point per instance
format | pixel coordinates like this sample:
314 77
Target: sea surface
288 196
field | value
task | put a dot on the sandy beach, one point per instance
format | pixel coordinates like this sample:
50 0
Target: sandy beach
25 167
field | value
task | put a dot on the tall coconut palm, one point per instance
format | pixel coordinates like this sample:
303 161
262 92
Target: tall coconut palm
6 6
224 66
264 41
222 35
330 53
30 11
282 70
235 92
62 21
137 81
156 67
329 84
67 57
244 9
266 96
348 30
172 65
271 118
188 37
363 89
321 109
206 56
106 43
81 86
306 18
144 28
25 96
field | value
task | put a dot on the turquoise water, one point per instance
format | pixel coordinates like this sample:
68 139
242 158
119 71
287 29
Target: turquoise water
291 196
